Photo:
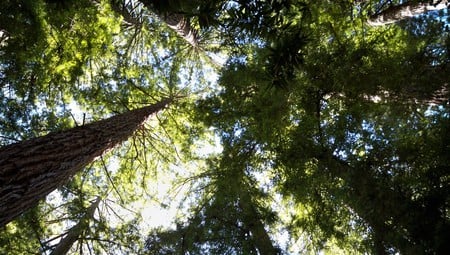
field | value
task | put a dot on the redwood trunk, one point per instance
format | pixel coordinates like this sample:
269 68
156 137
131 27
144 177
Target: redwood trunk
406 10
182 25
128 12
177 21
31 169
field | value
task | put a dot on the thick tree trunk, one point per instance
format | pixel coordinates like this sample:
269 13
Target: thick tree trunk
31 169
406 10
75 232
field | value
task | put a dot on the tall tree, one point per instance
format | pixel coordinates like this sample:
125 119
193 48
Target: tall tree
170 12
76 231
333 115
343 166
31 169
229 217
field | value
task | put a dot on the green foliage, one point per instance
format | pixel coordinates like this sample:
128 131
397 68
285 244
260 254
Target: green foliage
334 134
46 48
28 228
224 218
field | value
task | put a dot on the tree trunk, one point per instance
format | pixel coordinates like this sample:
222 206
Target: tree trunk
251 220
182 25
174 19
405 10
31 169
128 12
74 233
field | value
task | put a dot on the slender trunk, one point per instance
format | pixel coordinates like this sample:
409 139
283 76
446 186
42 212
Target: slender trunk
75 232
235 158
251 220
175 20
182 26
31 169
409 95
128 12
3 37
405 10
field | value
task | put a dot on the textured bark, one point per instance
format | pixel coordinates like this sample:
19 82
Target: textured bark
75 232
406 10
31 169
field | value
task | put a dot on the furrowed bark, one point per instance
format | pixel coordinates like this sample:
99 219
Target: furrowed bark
31 169
75 232
406 10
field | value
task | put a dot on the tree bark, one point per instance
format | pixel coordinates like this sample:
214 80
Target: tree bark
31 169
182 26
129 15
74 233
175 20
396 13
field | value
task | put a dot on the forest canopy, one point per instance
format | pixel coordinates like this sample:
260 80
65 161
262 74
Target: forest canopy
224 127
